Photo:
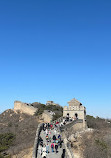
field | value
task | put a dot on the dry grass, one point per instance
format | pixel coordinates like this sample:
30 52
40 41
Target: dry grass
95 143
22 126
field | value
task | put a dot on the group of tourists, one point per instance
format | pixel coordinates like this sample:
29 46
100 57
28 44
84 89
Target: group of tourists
52 141
67 120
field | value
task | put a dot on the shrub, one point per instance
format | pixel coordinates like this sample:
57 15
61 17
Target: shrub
101 143
1 156
6 140
56 116
40 110
97 123
16 125
8 156
54 108
10 124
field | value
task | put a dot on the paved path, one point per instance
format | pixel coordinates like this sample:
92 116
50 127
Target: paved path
50 154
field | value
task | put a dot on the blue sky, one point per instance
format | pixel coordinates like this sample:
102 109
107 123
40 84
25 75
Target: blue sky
56 50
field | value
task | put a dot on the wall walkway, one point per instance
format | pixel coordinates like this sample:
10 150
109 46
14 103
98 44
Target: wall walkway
69 153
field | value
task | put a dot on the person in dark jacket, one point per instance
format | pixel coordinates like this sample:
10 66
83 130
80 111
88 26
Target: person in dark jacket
41 141
54 138
59 136
48 125
43 127
56 147
63 154
60 143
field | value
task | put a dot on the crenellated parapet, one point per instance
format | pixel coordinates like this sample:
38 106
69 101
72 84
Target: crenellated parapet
74 108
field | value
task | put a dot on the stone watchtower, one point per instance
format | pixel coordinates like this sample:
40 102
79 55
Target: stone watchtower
75 110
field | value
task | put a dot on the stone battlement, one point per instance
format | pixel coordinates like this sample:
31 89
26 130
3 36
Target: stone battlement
74 108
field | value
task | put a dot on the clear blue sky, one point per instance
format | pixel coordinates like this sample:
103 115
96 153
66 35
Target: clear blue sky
56 50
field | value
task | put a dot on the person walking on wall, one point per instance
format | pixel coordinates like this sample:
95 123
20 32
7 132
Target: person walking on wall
47 148
54 138
56 147
40 149
63 154
44 148
52 147
44 155
60 143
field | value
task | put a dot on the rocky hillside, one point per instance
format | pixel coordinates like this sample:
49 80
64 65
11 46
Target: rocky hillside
22 127
94 142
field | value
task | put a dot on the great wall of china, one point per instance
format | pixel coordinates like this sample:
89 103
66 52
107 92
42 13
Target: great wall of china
75 109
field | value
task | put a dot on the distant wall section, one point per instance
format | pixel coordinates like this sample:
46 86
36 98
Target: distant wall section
47 116
24 108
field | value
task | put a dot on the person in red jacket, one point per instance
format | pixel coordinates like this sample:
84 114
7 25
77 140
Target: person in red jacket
52 147
51 126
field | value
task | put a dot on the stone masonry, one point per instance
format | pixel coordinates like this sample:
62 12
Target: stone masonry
24 108
47 117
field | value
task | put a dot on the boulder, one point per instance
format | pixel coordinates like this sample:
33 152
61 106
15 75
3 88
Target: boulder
72 138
